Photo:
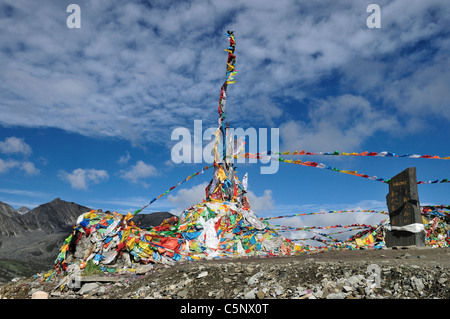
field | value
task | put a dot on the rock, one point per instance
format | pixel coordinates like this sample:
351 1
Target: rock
143 269
328 289
417 282
250 295
230 279
167 261
354 280
361 290
304 292
337 295
126 259
255 278
39 295
347 288
318 294
88 287
186 282
98 278
279 290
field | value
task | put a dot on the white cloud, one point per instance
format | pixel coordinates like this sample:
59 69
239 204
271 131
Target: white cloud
124 158
14 145
5 166
425 92
342 123
139 171
22 192
261 204
81 178
26 166
135 71
29 168
186 197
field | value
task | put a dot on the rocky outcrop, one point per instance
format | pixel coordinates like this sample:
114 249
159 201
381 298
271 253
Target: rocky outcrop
385 274
10 222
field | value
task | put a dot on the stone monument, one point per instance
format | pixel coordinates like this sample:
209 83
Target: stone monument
404 211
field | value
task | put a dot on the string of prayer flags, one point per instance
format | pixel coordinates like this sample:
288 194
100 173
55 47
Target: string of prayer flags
229 79
172 188
380 154
267 155
325 212
436 210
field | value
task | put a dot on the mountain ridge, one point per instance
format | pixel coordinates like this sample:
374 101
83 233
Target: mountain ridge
10 223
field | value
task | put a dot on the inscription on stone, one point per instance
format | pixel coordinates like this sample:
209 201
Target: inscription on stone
404 209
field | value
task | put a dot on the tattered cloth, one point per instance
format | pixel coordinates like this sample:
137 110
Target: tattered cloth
204 231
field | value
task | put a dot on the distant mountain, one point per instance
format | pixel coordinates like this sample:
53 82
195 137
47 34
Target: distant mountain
58 216
53 217
150 220
23 210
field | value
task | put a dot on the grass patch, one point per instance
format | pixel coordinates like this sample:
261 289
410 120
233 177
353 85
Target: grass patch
92 269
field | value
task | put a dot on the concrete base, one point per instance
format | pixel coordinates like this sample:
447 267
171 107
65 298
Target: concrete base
404 238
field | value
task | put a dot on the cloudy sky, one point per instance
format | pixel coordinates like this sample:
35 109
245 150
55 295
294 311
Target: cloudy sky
86 114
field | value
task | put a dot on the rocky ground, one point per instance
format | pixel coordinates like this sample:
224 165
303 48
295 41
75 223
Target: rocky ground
413 273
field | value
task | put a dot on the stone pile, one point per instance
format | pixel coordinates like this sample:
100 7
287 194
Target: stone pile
301 281
404 276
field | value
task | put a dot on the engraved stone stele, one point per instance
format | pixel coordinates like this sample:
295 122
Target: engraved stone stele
404 210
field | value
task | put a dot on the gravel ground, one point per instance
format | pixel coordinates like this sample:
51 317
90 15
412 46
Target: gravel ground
413 273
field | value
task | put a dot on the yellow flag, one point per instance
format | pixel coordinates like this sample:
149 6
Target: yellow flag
221 174
368 240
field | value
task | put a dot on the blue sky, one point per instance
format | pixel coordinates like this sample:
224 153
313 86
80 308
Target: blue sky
87 114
